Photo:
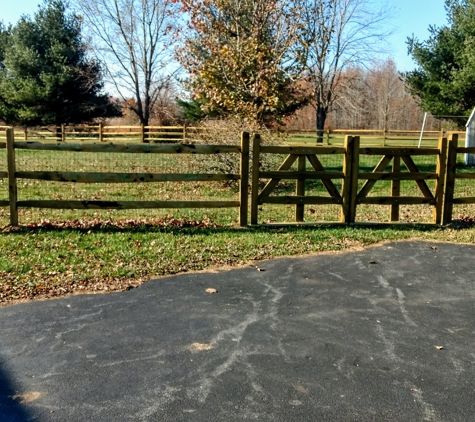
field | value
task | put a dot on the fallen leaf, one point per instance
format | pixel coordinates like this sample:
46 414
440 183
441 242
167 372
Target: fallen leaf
27 397
372 262
198 347
433 247
260 269
211 291
414 389
439 347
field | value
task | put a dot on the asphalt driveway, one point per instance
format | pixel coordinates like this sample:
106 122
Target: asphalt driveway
384 334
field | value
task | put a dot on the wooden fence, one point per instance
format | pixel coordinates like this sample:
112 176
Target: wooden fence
160 134
91 177
375 136
104 133
352 190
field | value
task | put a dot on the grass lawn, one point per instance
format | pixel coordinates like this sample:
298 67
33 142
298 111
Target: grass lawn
55 253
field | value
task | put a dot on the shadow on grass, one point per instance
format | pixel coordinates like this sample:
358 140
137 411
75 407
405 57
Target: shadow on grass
185 227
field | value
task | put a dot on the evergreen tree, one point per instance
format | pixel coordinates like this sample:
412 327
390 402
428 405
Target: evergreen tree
444 81
45 74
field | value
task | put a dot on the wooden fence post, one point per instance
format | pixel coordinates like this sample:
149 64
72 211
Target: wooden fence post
63 133
395 189
450 179
256 147
355 163
300 189
328 136
439 187
346 188
142 133
25 134
384 136
244 180
101 131
12 186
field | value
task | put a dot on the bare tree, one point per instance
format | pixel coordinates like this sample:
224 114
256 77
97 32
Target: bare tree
133 38
337 35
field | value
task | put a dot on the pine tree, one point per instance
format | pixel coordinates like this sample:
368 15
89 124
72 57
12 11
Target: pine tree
45 74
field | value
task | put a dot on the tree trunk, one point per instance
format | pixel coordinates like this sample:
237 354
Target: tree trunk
321 117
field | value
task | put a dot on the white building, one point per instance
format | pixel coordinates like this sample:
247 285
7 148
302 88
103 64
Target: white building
470 139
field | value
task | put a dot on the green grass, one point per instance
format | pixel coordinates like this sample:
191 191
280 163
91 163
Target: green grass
59 252
55 259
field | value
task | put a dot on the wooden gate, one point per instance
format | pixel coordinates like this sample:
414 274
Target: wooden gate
398 156
302 154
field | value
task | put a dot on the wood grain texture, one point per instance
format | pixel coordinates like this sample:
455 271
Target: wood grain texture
294 200
125 205
130 148
402 200
91 177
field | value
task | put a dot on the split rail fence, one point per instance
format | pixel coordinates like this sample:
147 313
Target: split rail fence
347 185
164 134
92 177
104 133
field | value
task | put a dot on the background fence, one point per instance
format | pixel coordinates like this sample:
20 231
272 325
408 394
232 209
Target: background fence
348 183
373 137
157 134
104 133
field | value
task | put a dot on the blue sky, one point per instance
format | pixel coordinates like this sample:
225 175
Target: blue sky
409 17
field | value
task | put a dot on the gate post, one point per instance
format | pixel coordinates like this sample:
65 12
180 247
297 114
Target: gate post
256 147
450 180
244 179
12 186
350 181
441 172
